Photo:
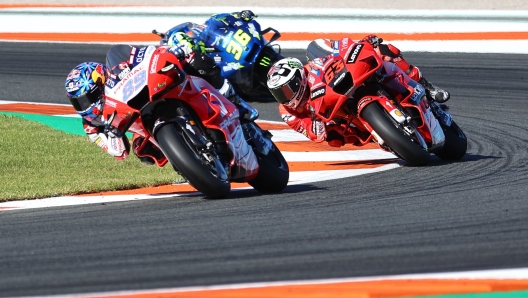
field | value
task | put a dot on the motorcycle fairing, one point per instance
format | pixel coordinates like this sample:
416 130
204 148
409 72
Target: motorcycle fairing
133 82
216 112
411 96
234 45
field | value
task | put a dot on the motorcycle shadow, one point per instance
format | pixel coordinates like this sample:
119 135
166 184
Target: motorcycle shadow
248 193
434 161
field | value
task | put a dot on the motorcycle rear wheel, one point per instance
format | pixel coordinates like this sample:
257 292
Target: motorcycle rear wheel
183 158
402 145
455 146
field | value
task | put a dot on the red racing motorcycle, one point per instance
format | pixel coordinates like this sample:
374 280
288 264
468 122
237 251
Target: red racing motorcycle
198 130
353 87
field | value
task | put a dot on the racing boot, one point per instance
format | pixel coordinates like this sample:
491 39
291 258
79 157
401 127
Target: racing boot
246 110
433 92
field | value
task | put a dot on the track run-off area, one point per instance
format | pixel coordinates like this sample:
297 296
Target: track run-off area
308 162
455 228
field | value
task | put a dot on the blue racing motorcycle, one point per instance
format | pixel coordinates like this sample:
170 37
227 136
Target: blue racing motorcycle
238 47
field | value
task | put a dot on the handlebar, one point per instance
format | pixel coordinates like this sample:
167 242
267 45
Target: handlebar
162 35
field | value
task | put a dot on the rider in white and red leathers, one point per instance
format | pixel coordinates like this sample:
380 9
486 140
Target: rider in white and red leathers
85 86
288 82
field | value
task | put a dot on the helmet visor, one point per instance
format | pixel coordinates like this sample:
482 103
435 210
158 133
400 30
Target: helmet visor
85 101
285 93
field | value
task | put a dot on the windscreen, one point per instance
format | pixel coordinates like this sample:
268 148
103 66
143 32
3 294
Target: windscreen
116 56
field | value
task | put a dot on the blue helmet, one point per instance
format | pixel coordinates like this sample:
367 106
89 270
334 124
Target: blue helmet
85 88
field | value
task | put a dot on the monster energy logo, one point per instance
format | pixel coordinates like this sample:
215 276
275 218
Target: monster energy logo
294 64
265 61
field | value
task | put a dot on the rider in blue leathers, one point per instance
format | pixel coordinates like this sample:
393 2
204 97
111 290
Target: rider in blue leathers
198 38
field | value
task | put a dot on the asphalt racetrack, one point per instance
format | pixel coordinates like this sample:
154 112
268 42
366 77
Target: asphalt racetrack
466 215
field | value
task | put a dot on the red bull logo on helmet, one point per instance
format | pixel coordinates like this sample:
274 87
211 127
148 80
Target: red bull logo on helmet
99 75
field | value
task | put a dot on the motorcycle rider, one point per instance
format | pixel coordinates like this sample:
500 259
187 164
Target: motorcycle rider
288 82
198 38
85 87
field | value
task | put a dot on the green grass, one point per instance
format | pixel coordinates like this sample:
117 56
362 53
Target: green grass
37 161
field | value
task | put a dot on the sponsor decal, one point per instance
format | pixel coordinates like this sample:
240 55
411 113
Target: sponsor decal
128 76
225 124
110 83
344 43
232 66
318 62
336 48
133 51
286 118
274 80
90 129
363 102
124 73
217 58
131 58
253 31
154 63
339 78
316 72
311 79
265 61
215 42
317 85
215 100
111 103
388 104
227 39
354 53
72 87
294 64
301 129
418 93
140 55
318 92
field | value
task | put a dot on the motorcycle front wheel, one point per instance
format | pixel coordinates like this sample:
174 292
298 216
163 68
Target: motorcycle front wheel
455 146
183 157
401 144
273 174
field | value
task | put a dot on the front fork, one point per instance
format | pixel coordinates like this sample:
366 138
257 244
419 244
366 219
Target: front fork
195 135
394 111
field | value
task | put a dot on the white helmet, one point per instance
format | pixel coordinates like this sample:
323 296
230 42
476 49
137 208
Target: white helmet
287 82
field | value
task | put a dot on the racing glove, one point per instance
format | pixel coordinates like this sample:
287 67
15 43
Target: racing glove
373 40
181 50
118 147
247 15
318 130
